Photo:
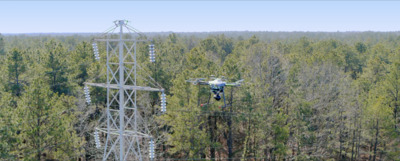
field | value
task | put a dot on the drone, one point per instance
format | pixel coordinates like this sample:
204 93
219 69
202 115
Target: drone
216 85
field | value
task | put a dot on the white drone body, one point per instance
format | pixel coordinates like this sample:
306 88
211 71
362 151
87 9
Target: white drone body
216 85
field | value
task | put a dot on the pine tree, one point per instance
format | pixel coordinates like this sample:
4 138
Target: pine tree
2 46
79 63
8 127
56 67
47 125
185 136
16 67
378 121
392 87
188 127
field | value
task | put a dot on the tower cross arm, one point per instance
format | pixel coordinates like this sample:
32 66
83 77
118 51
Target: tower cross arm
126 87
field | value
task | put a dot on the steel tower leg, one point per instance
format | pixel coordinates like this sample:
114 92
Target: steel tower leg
121 94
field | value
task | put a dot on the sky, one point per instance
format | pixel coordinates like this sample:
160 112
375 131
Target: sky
199 16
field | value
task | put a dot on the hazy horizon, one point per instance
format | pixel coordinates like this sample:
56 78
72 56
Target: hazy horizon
208 32
199 16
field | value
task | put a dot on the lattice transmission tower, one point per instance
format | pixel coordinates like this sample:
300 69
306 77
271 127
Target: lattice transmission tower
122 127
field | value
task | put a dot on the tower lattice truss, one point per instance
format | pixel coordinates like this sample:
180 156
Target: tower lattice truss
124 130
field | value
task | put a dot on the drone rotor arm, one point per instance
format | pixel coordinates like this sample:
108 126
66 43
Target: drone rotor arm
235 84
204 83
232 84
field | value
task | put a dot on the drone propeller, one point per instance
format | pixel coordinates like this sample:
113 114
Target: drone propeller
196 81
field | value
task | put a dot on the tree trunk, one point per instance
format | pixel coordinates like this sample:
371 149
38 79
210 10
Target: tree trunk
340 136
215 137
376 139
359 139
246 140
38 141
230 154
370 149
211 128
352 147
395 115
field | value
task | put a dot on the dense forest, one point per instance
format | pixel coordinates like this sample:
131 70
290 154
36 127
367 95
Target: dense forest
305 96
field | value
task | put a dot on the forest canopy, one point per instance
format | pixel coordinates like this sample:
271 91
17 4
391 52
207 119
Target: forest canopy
305 96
